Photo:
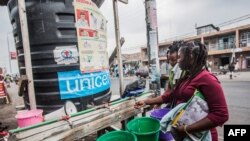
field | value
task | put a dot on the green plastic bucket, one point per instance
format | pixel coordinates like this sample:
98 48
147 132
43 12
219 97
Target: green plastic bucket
145 128
118 136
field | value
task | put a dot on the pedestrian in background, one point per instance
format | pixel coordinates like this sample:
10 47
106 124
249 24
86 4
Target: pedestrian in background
8 80
231 68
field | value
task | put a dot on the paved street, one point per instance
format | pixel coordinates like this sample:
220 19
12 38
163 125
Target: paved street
237 95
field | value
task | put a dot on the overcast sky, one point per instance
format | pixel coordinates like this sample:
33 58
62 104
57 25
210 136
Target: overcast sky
175 17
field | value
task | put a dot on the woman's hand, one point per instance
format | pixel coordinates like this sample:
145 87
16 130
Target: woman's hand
150 101
180 131
157 106
139 104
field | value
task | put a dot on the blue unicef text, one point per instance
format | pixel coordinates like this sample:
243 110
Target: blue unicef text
74 84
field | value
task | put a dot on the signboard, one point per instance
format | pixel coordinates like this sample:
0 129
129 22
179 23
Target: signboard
91 35
13 55
74 84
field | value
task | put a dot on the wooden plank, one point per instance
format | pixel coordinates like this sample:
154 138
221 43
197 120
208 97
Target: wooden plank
99 111
118 44
82 119
95 125
41 136
62 131
26 48
57 130
41 129
81 123
89 119
32 132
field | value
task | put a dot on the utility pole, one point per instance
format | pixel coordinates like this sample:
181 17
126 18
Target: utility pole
152 45
9 52
118 43
27 55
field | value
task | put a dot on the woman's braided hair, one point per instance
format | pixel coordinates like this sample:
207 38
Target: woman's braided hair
196 58
199 55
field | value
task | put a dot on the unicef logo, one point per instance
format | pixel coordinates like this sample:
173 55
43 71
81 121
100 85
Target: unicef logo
66 54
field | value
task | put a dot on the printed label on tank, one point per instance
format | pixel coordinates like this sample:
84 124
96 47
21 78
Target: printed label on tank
74 84
66 55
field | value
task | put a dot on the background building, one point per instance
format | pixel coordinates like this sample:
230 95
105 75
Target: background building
220 44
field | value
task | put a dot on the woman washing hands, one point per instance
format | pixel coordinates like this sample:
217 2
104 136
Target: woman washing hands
174 75
192 58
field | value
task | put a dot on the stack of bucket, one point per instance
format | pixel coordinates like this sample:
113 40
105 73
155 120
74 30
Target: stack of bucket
139 129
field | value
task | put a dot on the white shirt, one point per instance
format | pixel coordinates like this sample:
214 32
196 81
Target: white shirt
177 73
163 68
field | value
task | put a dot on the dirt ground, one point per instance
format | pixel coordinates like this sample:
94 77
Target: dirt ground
7 115
8 111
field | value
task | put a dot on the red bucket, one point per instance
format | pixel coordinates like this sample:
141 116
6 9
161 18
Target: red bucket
29 117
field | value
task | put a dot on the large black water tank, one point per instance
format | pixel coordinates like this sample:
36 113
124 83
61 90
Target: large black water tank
51 25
